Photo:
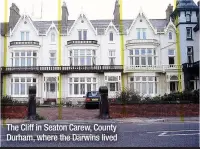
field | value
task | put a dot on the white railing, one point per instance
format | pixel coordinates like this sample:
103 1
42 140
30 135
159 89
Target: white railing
142 41
157 68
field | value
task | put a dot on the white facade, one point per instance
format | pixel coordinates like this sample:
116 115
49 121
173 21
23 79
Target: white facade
150 58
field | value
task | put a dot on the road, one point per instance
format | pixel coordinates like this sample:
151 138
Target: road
155 134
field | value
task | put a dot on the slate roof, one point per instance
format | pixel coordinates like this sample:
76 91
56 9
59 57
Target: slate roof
100 25
187 4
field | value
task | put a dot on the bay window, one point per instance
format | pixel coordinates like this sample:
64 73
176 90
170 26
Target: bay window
82 57
24 58
142 57
82 85
20 85
144 84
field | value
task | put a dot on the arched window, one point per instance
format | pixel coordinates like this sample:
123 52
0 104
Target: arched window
53 37
170 35
188 16
111 36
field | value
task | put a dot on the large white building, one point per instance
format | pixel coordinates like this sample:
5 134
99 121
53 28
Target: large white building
67 58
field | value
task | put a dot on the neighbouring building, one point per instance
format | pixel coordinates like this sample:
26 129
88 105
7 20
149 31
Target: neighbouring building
66 58
187 13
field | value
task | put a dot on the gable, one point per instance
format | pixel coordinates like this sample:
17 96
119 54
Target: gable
82 23
24 24
111 28
141 21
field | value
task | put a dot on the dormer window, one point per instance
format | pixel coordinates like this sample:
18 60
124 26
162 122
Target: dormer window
111 36
170 35
53 37
188 16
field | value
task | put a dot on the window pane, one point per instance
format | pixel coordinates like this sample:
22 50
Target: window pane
149 60
132 86
171 60
82 88
94 79
22 89
75 61
144 33
171 52
76 90
143 59
144 88
130 52
94 87
131 61
34 62
137 61
112 61
89 61
27 36
28 61
76 79
28 53
112 87
143 51
34 54
70 89
16 61
22 79
82 60
88 79
150 88
138 87
138 33
16 88
111 36
16 53
22 36
28 79
85 35
88 87
149 51
82 79
154 60
93 52
144 78
23 54
80 35
23 62
170 35
136 52
89 52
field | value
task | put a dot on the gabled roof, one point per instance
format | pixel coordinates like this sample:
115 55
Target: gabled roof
51 27
186 4
111 25
82 15
30 21
170 24
141 13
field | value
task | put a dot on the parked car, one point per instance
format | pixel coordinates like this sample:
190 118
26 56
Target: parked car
92 98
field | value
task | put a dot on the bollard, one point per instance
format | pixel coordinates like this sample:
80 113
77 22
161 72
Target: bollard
32 103
103 105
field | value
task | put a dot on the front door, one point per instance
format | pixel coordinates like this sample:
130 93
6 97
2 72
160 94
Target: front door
51 88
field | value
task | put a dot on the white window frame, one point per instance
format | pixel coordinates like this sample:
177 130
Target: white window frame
112 56
92 56
189 37
111 39
132 57
190 54
25 36
52 58
28 81
34 59
172 55
82 80
82 34
170 35
138 80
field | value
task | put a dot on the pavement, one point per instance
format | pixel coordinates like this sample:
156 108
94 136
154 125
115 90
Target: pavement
118 120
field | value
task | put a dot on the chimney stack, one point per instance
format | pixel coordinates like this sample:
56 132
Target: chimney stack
116 13
169 12
14 15
65 14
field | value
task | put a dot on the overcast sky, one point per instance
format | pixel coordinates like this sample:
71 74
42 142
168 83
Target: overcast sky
94 9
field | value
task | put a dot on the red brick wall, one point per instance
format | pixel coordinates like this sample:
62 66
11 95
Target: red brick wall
14 112
154 110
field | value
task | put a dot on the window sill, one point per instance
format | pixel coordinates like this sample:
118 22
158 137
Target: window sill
111 42
53 43
189 39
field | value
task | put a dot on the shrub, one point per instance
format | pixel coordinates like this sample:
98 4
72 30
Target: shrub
127 96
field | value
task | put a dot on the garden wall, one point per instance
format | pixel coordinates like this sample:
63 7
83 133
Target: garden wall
14 112
153 110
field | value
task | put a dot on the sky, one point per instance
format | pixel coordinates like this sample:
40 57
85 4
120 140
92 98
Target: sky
94 9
